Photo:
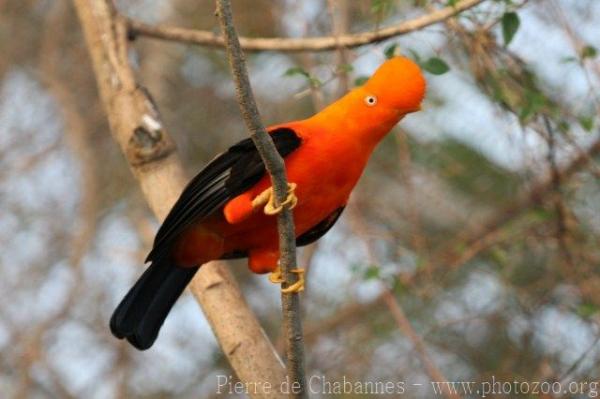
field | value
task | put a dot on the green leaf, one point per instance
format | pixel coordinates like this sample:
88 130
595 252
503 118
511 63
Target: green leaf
390 51
539 215
420 262
564 126
534 101
587 123
568 59
436 66
499 256
381 7
296 71
510 25
588 52
371 273
361 80
586 310
345 68
314 82
451 3
398 287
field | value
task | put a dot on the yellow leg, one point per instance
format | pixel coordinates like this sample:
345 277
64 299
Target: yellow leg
277 278
266 198
298 286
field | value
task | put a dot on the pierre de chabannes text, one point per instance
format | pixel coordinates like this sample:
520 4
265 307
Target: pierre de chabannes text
320 384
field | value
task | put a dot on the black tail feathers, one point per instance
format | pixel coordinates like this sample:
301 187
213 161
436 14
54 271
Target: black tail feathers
141 313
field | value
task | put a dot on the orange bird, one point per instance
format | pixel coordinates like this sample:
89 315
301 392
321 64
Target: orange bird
226 211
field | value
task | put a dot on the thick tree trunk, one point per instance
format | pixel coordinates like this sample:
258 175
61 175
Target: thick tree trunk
136 126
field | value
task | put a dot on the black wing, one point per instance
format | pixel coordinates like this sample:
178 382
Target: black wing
224 178
320 229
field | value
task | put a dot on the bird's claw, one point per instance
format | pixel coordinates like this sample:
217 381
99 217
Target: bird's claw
298 286
267 198
277 278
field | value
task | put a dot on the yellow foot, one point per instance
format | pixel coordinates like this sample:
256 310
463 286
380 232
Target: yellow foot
266 198
277 278
298 286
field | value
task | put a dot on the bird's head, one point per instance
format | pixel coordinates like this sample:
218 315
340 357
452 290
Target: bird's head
371 110
398 84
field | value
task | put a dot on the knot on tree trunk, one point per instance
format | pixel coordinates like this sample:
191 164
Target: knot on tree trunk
148 143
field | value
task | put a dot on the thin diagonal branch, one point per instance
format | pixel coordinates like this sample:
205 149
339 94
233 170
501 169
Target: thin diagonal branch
325 43
276 168
561 209
398 314
419 345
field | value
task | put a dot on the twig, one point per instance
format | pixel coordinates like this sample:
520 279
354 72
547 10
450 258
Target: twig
417 238
285 222
561 209
407 329
338 14
136 126
325 43
453 258
584 355
394 307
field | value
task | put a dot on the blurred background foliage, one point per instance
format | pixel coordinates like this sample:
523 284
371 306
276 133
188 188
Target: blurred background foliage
479 216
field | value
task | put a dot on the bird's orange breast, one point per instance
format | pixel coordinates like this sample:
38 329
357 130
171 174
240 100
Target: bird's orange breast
325 170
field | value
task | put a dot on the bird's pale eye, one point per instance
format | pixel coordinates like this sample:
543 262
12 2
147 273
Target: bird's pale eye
370 100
